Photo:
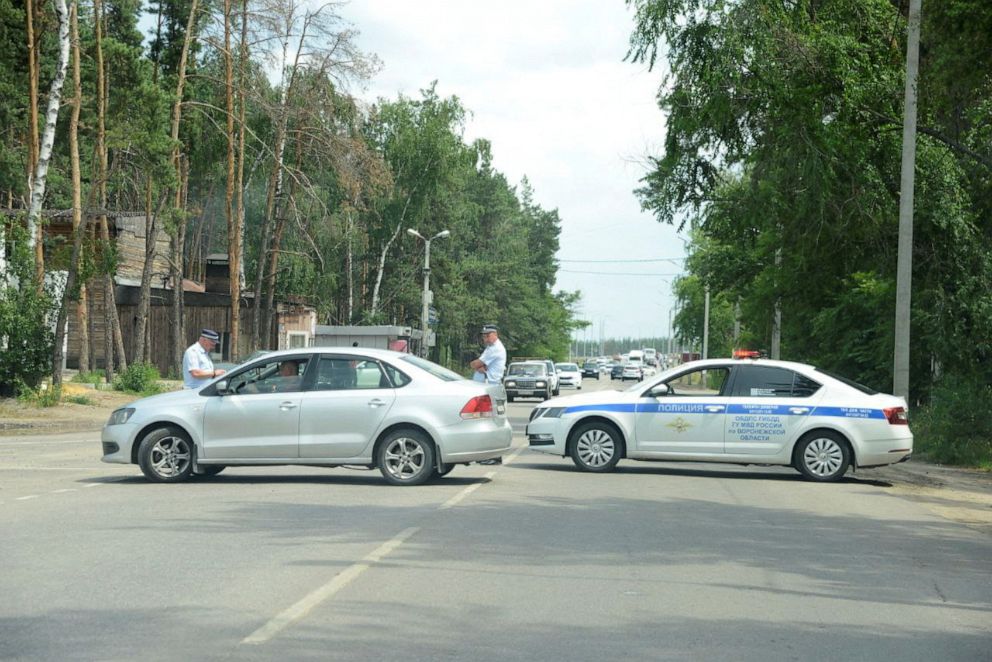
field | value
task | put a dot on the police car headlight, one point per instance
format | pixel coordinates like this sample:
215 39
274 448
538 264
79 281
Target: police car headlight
120 416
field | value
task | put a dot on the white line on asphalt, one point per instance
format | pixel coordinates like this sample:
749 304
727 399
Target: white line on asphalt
25 498
68 489
39 442
453 501
304 606
24 468
94 484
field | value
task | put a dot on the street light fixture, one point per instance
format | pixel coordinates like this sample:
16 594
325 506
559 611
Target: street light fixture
425 309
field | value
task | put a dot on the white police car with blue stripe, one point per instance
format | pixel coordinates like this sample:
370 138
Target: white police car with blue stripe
730 411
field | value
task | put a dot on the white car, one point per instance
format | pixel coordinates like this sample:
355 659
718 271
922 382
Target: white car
731 411
633 371
322 406
569 375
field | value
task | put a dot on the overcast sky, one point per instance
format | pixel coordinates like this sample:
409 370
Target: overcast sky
545 82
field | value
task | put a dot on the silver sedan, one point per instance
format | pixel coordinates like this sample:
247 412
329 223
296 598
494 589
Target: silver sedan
411 418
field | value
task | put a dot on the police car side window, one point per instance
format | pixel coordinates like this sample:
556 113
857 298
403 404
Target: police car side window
804 387
754 381
707 381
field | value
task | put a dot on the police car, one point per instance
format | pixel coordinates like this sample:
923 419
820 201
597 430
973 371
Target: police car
731 411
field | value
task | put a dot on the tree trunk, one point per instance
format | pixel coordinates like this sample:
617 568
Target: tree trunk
178 204
114 339
47 141
145 294
32 109
78 229
233 241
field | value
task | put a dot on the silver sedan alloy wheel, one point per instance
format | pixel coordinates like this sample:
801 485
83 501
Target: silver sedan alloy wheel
595 447
170 456
823 457
405 458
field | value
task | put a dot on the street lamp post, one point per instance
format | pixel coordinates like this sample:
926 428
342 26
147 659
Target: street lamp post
425 308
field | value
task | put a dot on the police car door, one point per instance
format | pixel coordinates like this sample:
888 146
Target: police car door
768 405
689 419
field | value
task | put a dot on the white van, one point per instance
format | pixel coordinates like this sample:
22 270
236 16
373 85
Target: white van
635 355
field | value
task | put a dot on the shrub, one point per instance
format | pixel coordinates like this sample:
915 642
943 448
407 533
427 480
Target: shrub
138 378
956 428
26 337
79 400
39 397
93 377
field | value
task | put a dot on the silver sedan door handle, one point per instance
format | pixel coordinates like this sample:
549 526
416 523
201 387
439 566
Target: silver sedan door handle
285 406
376 402
714 409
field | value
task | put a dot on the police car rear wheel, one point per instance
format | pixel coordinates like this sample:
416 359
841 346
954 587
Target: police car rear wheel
822 456
596 447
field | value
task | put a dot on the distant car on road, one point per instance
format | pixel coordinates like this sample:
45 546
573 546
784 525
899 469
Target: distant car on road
616 372
590 369
410 418
632 370
731 411
527 379
569 375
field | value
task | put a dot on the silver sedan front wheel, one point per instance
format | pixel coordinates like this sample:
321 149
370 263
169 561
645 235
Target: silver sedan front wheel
823 456
406 457
166 455
596 447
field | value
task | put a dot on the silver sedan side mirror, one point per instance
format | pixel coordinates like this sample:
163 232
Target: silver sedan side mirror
221 387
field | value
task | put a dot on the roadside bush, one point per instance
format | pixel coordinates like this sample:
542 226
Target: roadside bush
88 378
138 378
26 337
38 397
956 428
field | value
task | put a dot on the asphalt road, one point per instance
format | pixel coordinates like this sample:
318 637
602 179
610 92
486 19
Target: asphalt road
529 560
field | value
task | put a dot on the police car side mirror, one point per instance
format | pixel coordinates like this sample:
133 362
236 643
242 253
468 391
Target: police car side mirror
658 390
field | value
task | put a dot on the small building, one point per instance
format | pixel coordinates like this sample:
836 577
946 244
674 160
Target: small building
399 338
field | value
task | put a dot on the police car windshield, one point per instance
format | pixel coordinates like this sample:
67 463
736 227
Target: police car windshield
853 384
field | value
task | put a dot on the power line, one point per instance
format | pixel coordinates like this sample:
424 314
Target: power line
654 259
617 273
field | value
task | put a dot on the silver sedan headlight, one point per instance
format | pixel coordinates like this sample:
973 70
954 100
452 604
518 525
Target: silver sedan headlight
120 416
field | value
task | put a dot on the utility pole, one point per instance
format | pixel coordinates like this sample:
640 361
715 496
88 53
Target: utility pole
426 302
706 324
904 261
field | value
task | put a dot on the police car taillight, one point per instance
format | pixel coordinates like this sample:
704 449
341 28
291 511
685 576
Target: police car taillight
896 415
481 406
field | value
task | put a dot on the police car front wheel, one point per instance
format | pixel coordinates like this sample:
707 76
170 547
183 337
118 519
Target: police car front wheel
596 447
822 455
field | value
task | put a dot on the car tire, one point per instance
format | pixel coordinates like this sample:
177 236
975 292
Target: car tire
509 398
556 391
596 447
165 455
210 469
406 457
548 394
822 456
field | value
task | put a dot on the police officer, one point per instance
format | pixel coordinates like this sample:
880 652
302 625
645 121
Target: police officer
198 369
491 363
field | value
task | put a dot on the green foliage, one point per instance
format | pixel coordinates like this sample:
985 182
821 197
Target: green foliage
138 378
92 377
26 337
38 397
956 428
79 400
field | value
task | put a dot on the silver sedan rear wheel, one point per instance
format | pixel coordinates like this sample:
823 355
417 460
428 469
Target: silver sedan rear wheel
596 447
406 457
166 455
822 456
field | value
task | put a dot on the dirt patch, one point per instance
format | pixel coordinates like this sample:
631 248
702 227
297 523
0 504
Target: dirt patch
961 495
89 413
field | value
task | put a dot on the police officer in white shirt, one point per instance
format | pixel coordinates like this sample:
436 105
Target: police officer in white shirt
198 369
491 363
